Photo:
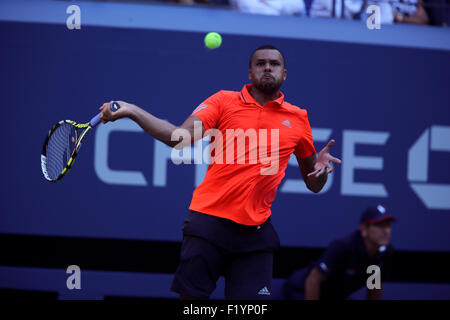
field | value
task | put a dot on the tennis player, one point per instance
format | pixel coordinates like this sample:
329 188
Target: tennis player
228 230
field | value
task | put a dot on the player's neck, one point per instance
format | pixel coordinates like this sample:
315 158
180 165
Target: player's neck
261 97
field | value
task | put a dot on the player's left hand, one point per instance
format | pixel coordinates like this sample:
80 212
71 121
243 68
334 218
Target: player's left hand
323 164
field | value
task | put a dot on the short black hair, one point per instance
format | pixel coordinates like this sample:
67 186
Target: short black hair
266 46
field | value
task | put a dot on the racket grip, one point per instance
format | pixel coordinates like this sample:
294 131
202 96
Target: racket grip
96 120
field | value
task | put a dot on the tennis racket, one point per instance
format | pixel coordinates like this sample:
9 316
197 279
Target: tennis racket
62 144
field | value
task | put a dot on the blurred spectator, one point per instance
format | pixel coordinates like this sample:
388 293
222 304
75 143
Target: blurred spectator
333 8
342 268
398 11
392 11
438 12
270 7
410 11
192 2
349 9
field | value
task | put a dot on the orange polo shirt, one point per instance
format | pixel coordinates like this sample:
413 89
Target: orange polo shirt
243 178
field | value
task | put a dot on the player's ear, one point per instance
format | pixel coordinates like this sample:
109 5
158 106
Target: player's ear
284 75
250 75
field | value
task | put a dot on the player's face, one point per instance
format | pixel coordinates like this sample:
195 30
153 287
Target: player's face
267 71
380 233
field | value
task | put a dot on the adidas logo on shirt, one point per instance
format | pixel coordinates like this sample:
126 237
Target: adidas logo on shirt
264 291
287 123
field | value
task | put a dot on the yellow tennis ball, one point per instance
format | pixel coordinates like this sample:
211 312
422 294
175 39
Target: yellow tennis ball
213 40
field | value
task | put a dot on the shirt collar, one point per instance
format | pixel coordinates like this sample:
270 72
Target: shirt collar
246 97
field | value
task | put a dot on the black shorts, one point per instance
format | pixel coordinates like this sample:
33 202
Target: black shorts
214 246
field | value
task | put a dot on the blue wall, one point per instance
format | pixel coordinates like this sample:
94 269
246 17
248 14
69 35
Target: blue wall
391 96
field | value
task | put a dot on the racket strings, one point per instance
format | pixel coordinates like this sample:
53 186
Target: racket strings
59 149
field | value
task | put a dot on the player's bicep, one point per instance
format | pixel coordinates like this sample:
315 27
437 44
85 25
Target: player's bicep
203 118
194 126
190 131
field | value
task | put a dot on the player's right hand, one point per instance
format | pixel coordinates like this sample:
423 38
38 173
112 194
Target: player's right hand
107 115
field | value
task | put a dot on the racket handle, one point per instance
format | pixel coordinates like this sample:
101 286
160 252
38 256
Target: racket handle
96 120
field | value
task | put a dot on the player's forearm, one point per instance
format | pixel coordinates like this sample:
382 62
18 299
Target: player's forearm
315 184
157 128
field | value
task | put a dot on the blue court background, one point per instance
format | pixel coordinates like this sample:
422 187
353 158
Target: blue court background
52 73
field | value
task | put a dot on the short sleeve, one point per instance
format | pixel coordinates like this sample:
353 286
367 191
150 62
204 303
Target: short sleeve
305 146
330 259
209 111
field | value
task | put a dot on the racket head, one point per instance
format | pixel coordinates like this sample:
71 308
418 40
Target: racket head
61 148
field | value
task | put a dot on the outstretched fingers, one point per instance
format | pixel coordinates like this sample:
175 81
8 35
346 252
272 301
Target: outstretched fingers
335 160
318 172
313 173
330 168
329 145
